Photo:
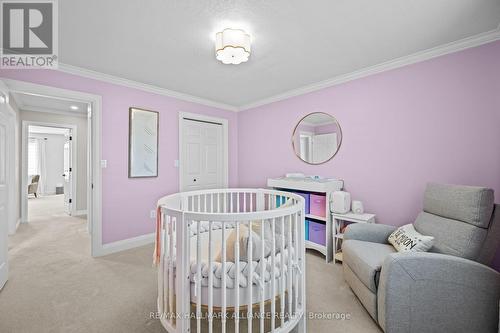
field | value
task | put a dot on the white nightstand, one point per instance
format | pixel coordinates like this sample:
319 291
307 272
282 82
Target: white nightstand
339 221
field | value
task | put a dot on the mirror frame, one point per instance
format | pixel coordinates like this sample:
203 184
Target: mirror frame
338 147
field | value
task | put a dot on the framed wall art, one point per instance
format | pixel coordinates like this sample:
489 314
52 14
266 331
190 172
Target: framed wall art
142 143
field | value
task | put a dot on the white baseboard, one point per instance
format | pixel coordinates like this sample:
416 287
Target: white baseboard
12 232
126 244
80 212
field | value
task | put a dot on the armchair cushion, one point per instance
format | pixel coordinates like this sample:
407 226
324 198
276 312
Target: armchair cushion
451 236
365 260
469 204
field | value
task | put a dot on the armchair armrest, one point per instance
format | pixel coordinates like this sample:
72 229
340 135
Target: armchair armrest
369 232
431 292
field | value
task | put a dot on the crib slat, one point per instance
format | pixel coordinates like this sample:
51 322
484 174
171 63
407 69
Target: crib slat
166 263
244 201
289 266
238 202
296 284
237 279
224 290
183 273
231 201
282 272
171 270
161 271
198 278
262 275
224 207
273 275
210 278
251 202
250 276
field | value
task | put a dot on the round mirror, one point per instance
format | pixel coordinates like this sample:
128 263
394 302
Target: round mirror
317 138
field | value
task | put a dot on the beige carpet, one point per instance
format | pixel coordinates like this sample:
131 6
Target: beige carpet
55 286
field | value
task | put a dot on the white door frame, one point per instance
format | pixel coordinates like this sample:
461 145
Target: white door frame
94 179
9 184
225 143
12 135
24 164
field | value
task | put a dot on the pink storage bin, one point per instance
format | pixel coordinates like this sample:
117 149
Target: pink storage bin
317 205
317 233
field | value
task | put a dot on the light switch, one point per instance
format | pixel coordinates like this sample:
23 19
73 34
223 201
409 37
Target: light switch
152 214
104 164
176 163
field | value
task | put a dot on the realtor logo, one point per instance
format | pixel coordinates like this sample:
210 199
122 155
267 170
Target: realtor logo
29 34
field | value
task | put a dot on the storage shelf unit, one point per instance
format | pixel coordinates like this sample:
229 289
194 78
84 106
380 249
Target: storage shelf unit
339 221
315 217
309 186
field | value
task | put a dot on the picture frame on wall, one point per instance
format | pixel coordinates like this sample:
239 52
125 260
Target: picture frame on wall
143 143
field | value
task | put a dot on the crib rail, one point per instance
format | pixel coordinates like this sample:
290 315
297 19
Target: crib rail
232 260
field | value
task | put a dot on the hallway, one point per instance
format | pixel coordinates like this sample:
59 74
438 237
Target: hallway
50 264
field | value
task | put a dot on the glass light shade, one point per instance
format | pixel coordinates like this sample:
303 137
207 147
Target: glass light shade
232 46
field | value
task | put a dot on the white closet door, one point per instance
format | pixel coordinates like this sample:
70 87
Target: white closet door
201 155
323 146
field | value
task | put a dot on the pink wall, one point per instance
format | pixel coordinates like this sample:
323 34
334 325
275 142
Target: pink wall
433 121
126 202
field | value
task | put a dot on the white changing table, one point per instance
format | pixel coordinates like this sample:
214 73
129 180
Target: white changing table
318 186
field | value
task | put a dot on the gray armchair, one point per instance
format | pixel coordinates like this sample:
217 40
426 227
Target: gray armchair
450 288
33 186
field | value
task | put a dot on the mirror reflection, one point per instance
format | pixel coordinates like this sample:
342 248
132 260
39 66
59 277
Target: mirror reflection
317 138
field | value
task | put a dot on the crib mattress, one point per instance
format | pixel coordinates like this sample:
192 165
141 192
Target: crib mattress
260 268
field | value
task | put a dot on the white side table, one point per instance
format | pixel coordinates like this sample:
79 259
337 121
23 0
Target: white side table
339 221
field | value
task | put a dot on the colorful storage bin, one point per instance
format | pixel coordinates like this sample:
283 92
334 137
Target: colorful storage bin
317 233
280 200
307 229
306 200
318 205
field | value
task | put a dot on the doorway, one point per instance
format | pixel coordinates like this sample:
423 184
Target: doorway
51 169
90 137
203 152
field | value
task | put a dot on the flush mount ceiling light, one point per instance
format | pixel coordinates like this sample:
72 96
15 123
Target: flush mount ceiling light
232 46
74 107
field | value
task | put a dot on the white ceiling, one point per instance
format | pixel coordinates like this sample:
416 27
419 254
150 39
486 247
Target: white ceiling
48 104
169 44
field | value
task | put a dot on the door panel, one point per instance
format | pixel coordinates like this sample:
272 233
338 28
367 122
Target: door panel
193 155
202 157
322 146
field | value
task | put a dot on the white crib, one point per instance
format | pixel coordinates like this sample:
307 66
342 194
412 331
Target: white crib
196 292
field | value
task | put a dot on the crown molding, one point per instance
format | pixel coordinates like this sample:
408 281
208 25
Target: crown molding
462 44
90 74
456 46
